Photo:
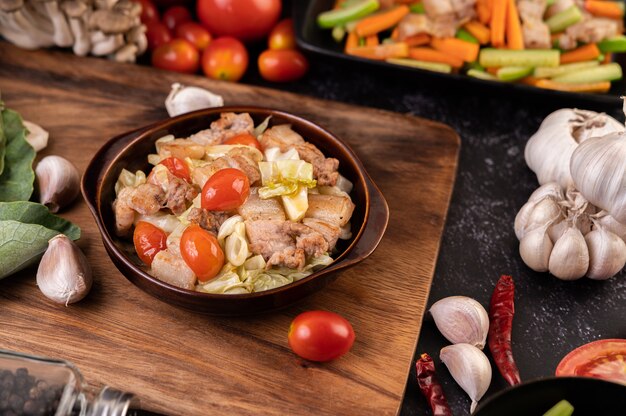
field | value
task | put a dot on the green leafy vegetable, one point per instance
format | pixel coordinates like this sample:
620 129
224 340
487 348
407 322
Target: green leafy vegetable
16 180
33 213
21 245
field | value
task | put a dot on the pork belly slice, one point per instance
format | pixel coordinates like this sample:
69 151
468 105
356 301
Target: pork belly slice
334 209
227 126
181 148
172 269
329 231
238 158
209 220
256 208
145 199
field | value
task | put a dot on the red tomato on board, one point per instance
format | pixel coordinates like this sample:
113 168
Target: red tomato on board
246 139
243 19
201 252
175 16
195 33
604 359
149 12
227 189
282 36
282 65
320 335
225 59
157 34
177 55
177 167
148 240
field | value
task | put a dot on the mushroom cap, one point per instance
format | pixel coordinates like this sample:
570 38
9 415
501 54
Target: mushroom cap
109 21
74 8
129 8
11 5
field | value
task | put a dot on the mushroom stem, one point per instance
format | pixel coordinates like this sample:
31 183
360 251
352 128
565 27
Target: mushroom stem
62 33
107 46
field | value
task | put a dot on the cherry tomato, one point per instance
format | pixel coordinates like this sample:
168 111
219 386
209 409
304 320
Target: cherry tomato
226 59
149 12
201 252
244 19
176 15
157 34
177 55
225 190
282 65
282 36
194 33
177 167
148 240
320 335
246 139
604 359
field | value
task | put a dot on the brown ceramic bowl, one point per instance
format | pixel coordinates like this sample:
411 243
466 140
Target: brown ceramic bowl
130 151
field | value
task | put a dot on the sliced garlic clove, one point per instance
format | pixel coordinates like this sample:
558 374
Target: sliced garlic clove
461 319
521 219
535 249
183 99
569 259
470 368
59 182
607 254
37 137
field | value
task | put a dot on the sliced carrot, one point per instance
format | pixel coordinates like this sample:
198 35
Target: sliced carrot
492 70
352 41
514 36
603 86
381 52
395 34
479 31
371 40
431 55
608 58
461 49
530 80
483 9
382 21
417 40
584 53
609 9
498 23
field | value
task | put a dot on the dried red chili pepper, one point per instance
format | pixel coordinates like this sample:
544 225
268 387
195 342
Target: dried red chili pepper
430 387
501 311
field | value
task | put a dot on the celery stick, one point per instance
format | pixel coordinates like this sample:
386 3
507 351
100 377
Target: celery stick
490 57
430 66
562 408
542 72
609 72
513 73
417 8
332 18
475 65
339 32
564 19
616 44
476 73
466 36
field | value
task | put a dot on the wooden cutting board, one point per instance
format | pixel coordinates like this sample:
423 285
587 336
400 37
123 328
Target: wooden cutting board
180 363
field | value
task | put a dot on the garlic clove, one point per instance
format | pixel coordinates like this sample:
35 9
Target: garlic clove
612 225
36 137
569 259
607 254
557 229
546 211
552 189
183 99
470 368
64 275
59 182
535 248
461 319
521 219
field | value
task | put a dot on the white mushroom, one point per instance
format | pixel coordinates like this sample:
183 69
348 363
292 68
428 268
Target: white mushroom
137 36
76 11
19 27
126 53
62 34
110 22
108 45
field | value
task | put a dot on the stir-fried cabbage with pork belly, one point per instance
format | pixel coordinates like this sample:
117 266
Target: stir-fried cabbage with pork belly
235 208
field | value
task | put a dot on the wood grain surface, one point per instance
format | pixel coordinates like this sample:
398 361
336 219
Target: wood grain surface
180 363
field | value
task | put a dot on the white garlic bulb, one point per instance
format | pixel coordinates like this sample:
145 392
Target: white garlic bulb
183 99
607 254
535 248
59 182
470 368
461 319
569 259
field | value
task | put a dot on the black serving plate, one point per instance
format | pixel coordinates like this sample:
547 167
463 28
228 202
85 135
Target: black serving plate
319 41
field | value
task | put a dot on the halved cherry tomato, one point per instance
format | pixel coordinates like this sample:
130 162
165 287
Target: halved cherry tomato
157 34
246 139
149 12
225 190
175 16
320 335
282 36
604 359
177 167
282 65
226 59
177 55
148 240
201 252
194 33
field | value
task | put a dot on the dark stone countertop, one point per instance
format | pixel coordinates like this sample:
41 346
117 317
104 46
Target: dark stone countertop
479 244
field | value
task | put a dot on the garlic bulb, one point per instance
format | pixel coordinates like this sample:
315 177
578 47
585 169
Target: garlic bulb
64 275
470 368
549 150
569 259
535 248
607 254
59 182
461 319
37 137
183 99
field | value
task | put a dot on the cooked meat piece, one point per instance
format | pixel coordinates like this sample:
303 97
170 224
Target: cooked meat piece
324 169
447 15
247 166
209 220
256 208
329 231
181 148
201 174
291 257
558 7
438 8
464 9
124 215
173 270
536 35
413 24
281 136
590 30
228 125
146 199
179 194
531 10
334 209
268 237
444 26
307 239
236 158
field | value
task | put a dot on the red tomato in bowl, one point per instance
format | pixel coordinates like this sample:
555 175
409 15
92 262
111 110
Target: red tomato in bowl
148 240
202 252
177 55
320 335
226 59
226 190
195 33
604 359
246 139
175 16
243 19
157 34
282 65
149 12
282 36
177 167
